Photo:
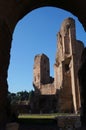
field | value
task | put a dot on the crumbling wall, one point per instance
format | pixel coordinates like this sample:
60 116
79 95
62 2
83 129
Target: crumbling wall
65 82
48 89
66 67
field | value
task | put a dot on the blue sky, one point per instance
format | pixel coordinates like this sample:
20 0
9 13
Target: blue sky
36 34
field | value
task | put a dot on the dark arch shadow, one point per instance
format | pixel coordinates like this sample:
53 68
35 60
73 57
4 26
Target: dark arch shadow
24 7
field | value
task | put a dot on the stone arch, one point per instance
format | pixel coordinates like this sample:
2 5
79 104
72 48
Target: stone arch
17 9
11 12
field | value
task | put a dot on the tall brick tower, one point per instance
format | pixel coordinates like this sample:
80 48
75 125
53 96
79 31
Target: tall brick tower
41 71
66 67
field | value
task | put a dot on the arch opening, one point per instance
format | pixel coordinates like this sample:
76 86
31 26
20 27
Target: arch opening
36 38
13 15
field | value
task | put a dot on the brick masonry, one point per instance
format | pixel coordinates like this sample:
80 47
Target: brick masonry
65 82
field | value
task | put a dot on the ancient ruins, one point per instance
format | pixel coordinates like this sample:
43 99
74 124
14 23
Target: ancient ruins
11 12
65 82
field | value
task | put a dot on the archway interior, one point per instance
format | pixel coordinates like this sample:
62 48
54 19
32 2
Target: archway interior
35 34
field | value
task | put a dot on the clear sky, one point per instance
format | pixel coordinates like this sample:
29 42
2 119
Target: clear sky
36 34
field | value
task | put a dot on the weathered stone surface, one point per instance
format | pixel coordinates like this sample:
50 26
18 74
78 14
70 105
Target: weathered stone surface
66 67
12 126
5 45
65 83
82 79
71 122
42 82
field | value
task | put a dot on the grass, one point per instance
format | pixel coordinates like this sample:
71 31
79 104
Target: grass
41 119
37 116
43 116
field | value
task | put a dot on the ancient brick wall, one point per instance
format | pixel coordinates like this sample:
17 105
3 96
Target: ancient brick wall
69 122
65 83
11 12
48 89
66 67
42 80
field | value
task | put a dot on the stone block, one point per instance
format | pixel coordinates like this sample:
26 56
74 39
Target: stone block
12 126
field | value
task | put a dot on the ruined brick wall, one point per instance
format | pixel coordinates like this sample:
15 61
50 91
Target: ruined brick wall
66 67
42 80
48 89
67 63
69 122
36 72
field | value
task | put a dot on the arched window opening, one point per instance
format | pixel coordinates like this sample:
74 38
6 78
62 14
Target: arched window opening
36 34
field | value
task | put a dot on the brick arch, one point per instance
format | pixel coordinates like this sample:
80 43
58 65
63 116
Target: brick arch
11 11
17 9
